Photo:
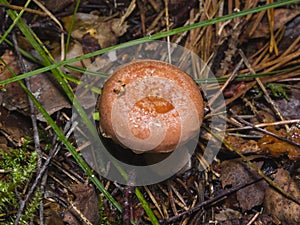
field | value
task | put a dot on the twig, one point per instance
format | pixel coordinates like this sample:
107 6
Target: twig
266 178
210 201
127 205
261 85
19 8
171 199
230 78
154 201
168 28
52 154
265 131
265 125
31 106
62 37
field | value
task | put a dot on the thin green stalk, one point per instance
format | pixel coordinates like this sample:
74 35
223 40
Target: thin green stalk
60 78
66 142
156 36
15 21
23 52
146 207
71 28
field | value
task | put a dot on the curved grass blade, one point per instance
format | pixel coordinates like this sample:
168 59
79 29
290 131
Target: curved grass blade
154 37
66 142
146 207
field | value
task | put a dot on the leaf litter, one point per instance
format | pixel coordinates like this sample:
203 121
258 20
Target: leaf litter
191 197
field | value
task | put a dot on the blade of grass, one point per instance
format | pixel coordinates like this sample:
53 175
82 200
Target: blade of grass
47 58
146 207
23 52
66 142
15 21
207 80
164 34
159 35
71 28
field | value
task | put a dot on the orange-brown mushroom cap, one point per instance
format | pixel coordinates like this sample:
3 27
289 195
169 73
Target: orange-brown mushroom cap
150 106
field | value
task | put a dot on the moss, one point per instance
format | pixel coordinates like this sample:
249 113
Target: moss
18 166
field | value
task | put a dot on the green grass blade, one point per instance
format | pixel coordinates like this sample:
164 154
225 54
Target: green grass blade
146 207
60 78
71 28
23 52
66 142
160 35
15 21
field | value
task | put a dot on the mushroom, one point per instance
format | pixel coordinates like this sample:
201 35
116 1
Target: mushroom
150 106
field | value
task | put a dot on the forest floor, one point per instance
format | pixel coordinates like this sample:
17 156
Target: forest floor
254 59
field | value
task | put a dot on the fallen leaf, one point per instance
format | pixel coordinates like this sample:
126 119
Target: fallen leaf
228 214
43 86
15 126
281 17
276 147
237 172
105 30
243 145
57 5
85 203
290 109
287 211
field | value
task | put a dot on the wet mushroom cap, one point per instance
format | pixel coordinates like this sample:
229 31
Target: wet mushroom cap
150 106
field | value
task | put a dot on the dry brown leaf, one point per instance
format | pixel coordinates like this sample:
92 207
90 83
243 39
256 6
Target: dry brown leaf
276 147
290 109
85 203
281 17
15 126
105 30
56 5
287 211
237 172
43 87
243 145
228 214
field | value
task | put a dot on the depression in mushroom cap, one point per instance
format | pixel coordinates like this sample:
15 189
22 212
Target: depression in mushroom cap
150 106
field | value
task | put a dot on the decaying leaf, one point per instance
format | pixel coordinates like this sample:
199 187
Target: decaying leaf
281 17
278 206
14 126
12 96
237 172
290 109
85 206
56 5
43 87
106 31
276 147
227 215
243 145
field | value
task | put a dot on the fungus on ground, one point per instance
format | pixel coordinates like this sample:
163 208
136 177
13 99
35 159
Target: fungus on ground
150 106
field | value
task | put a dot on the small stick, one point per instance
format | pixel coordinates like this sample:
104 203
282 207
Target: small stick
261 85
266 131
31 106
265 125
19 8
52 154
210 201
230 78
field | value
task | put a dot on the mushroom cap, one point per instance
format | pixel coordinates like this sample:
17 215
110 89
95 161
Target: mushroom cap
150 106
